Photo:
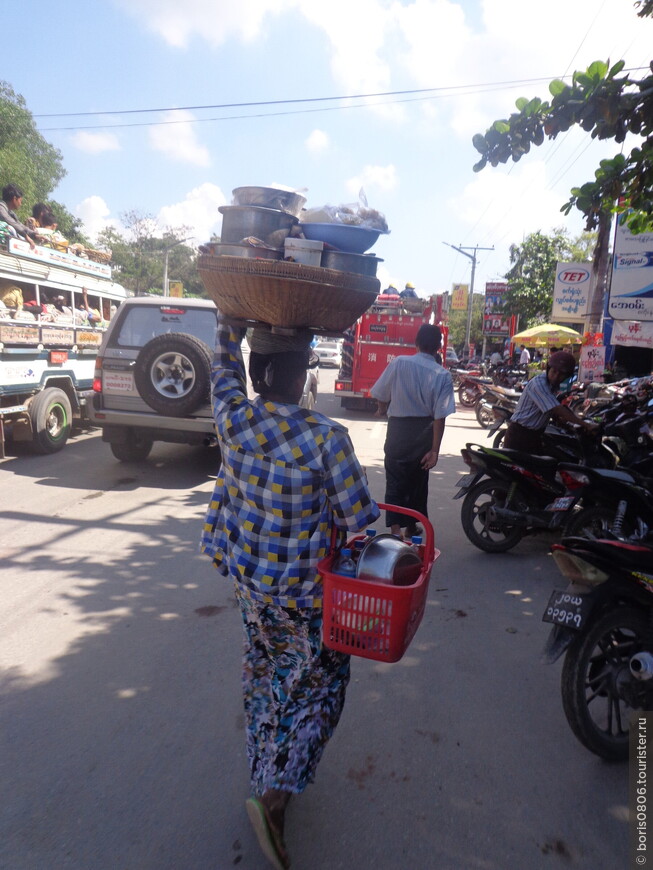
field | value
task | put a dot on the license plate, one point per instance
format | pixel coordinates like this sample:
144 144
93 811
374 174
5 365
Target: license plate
117 382
561 504
465 480
567 609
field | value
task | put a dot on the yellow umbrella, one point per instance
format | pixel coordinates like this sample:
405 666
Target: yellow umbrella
547 335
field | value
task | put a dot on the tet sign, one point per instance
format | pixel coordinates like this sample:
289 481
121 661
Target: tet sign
571 292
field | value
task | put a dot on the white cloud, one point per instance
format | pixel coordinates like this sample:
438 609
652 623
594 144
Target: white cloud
212 20
178 140
95 215
198 211
374 178
318 142
95 143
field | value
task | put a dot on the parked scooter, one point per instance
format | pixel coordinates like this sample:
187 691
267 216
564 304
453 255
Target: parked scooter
470 388
509 494
495 406
615 502
603 620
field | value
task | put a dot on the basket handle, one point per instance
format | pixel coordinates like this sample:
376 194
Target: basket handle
429 545
429 548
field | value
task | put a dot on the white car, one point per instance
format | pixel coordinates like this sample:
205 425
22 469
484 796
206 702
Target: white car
329 353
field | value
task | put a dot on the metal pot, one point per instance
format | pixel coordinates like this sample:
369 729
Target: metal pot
251 252
360 264
241 221
270 197
387 559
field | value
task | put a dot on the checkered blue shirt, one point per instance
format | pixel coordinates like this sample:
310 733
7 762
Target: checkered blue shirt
287 476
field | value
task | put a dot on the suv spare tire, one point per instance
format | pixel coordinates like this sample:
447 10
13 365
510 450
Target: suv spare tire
173 374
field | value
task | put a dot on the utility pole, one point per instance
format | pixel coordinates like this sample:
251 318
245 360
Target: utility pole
165 262
463 250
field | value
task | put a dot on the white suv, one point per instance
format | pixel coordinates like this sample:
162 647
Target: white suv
153 375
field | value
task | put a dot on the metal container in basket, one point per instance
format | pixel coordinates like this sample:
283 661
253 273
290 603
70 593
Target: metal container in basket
375 620
269 225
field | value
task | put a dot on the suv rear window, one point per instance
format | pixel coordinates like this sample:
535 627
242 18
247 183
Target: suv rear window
140 324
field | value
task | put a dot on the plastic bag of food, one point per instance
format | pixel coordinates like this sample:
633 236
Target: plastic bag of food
357 214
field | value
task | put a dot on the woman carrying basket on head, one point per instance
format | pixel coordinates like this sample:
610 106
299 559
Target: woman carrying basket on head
288 475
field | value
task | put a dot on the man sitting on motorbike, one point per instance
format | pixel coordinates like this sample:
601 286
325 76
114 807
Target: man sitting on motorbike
538 403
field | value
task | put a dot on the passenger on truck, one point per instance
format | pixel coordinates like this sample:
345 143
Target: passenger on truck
12 198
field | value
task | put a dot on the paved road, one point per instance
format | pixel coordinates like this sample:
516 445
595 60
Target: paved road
121 740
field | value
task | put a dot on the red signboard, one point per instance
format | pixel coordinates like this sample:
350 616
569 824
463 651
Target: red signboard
494 321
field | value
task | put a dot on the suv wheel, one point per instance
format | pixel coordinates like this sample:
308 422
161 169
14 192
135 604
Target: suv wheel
134 448
173 374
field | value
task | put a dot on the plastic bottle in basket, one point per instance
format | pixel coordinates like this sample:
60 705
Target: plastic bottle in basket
416 544
344 564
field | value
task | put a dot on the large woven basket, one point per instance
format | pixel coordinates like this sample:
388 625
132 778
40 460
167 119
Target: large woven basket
286 294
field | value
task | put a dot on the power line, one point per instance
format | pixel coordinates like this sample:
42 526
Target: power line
291 101
443 91
487 89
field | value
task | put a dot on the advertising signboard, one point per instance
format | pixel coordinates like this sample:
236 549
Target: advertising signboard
592 364
571 292
631 290
459 297
494 322
632 333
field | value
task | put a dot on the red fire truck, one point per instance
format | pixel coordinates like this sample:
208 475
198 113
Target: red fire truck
386 330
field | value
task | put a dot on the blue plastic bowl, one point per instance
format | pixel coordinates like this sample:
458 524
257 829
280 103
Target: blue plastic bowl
353 240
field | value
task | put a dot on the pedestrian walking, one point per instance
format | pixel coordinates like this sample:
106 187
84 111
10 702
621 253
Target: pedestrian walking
288 476
524 356
538 403
416 392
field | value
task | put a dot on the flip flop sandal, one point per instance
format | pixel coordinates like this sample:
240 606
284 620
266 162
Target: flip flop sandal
269 840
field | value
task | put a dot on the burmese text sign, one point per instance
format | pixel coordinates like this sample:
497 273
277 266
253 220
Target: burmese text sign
571 292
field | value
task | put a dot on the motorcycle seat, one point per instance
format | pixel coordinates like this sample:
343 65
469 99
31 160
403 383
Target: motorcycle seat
541 463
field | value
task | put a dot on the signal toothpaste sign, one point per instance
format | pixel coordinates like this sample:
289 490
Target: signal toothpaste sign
571 293
631 289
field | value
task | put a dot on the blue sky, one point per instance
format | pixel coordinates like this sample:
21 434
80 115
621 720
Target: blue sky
411 154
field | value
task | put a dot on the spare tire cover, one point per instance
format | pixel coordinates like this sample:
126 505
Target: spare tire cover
173 374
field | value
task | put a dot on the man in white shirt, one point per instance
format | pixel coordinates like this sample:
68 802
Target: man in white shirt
416 392
525 356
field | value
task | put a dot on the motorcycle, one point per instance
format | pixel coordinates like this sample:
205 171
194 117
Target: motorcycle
470 388
509 494
495 406
615 502
603 621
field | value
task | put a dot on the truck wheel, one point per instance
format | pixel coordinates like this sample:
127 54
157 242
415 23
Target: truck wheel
134 449
51 415
173 374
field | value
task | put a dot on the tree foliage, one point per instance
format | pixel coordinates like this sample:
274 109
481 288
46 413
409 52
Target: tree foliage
531 276
606 104
138 256
28 160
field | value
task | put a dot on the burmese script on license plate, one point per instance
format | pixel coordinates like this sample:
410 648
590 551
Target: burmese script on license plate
118 382
567 609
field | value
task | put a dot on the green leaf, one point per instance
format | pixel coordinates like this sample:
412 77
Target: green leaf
501 126
616 69
556 87
480 143
597 70
480 165
521 103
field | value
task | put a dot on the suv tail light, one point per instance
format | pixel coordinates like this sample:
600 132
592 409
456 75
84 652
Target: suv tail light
97 377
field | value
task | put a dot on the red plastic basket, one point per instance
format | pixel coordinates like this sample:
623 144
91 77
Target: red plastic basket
375 620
